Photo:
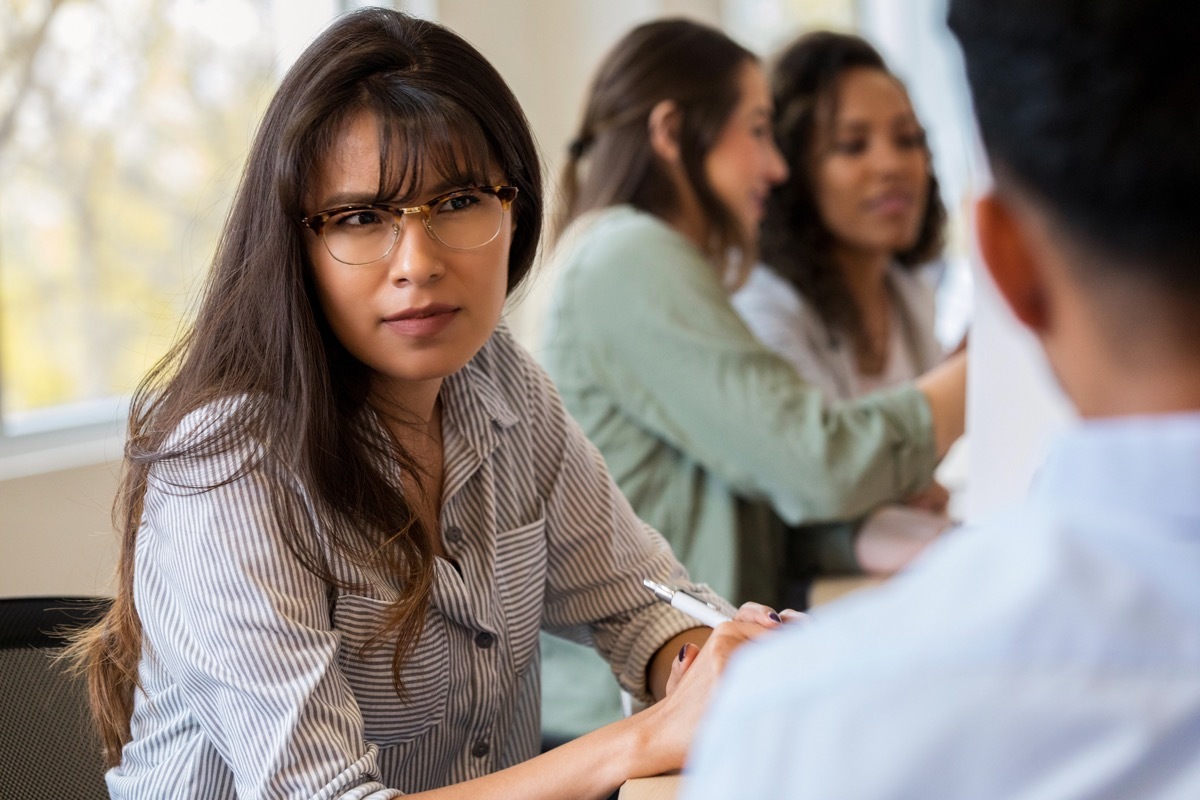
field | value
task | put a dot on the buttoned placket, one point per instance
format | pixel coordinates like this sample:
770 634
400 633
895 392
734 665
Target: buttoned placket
470 443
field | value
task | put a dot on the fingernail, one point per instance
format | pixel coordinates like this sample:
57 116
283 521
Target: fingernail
682 653
774 617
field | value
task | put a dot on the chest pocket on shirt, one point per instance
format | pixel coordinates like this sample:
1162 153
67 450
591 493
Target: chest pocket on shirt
389 719
521 582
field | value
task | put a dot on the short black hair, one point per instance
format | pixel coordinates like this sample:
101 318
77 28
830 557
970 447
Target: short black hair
1093 106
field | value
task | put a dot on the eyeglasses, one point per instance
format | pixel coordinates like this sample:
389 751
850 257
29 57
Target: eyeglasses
461 220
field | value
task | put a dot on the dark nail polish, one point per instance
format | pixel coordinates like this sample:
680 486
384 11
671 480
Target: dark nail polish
774 617
682 653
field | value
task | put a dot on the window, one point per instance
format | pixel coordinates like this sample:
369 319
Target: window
124 123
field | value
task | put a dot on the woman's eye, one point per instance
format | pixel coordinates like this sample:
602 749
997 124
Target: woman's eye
850 146
911 140
459 202
358 218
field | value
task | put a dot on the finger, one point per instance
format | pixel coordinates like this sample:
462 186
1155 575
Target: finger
729 635
792 616
758 613
687 655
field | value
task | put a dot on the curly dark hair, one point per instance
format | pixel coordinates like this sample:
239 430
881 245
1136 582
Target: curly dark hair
795 240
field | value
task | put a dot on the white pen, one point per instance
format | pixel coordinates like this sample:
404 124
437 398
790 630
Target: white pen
696 609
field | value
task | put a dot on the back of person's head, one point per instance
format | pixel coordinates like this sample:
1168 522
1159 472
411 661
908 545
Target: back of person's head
260 337
1090 108
797 242
611 160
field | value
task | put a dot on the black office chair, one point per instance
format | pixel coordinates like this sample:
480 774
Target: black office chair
48 745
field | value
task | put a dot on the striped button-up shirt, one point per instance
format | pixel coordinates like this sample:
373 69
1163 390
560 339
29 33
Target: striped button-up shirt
254 674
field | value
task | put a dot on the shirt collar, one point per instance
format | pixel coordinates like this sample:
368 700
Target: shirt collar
474 404
1149 463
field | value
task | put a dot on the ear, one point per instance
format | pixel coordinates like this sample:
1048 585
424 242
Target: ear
663 125
1011 262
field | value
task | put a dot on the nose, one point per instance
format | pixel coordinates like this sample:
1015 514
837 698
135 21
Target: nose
889 158
417 259
776 166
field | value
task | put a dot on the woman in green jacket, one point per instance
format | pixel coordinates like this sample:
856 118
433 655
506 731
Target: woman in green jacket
716 441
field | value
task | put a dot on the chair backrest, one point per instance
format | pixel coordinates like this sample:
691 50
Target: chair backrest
48 745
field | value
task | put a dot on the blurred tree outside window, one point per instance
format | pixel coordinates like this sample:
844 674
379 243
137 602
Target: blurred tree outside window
123 128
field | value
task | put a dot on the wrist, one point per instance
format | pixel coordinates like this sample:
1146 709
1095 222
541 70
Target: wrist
643 751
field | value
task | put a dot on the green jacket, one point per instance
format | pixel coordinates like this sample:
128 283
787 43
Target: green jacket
712 437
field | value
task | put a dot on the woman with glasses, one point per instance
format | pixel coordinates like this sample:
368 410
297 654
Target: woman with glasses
351 501
716 441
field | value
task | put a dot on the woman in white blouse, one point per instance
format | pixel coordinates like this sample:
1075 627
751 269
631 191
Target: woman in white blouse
842 295
351 500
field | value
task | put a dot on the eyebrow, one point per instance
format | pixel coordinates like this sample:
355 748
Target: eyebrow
855 125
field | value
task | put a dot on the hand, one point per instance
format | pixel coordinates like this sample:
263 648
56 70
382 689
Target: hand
893 536
694 675
934 498
755 613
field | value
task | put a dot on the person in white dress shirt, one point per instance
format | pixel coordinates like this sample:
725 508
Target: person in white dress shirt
1053 651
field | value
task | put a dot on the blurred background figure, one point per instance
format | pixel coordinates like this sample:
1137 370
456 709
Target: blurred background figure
841 295
718 442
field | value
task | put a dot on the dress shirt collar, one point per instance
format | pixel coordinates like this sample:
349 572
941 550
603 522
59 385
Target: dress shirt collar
1149 463
474 404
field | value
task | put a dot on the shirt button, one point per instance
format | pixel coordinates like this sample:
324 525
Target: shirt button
454 534
480 749
484 640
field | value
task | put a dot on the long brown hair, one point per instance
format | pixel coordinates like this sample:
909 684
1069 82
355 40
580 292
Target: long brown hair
610 161
261 340
796 243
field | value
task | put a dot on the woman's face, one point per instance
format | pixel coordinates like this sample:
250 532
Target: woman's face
422 311
744 163
871 168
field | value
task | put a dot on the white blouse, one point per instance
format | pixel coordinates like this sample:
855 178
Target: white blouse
788 324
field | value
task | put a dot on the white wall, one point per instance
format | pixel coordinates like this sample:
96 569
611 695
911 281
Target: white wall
55 532
1014 406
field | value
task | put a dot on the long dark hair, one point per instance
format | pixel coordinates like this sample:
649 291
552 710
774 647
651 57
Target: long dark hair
611 161
795 240
260 343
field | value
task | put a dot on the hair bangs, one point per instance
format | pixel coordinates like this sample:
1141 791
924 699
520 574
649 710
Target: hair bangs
429 144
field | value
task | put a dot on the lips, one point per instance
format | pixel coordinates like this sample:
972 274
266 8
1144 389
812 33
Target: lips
891 203
422 321
431 310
